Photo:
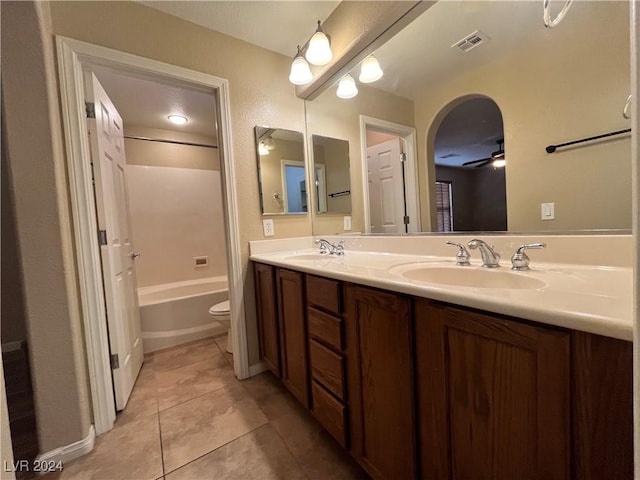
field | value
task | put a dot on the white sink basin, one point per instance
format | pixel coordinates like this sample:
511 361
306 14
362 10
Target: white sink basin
309 257
469 277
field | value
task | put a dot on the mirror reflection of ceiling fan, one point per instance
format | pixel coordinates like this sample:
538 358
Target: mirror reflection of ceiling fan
496 159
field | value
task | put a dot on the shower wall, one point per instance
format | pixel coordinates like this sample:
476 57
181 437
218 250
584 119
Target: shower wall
175 202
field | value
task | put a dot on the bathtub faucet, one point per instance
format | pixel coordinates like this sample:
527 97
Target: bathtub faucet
326 247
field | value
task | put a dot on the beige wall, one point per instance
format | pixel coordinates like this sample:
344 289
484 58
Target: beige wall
256 99
6 449
569 86
335 117
38 178
176 211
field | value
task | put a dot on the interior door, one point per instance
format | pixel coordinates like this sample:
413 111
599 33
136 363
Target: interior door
118 269
386 187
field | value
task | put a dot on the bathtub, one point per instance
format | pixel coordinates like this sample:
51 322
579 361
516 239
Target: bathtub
176 313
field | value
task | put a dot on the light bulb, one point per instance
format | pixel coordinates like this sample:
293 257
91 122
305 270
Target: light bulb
370 70
262 149
347 87
300 71
319 50
178 119
499 163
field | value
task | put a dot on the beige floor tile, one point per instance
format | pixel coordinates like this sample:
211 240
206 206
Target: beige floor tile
126 452
222 345
188 382
143 400
182 355
203 424
317 453
272 397
259 455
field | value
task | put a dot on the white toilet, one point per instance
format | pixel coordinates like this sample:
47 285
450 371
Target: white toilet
220 313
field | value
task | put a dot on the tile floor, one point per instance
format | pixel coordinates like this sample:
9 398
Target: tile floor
188 418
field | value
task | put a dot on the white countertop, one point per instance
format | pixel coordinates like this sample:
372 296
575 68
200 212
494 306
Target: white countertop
591 298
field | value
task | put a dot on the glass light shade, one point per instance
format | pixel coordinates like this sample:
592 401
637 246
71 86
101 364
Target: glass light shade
268 143
370 70
300 71
499 163
319 51
347 87
262 149
178 119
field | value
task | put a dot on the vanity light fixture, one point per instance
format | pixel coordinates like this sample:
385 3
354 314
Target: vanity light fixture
300 71
262 149
347 87
178 119
499 163
370 70
268 143
319 49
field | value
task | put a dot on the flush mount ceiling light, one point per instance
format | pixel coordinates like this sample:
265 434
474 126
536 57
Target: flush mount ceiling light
347 87
300 71
370 70
178 119
319 49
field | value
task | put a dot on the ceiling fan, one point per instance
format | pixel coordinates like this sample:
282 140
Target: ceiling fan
497 156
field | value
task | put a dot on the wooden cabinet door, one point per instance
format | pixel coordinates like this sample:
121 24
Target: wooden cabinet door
267 312
293 334
380 394
493 396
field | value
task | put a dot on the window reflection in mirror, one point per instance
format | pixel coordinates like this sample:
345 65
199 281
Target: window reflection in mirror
331 174
281 171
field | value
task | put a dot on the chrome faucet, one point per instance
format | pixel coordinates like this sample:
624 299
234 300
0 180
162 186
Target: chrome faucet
462 257
326 247
490 258
520 260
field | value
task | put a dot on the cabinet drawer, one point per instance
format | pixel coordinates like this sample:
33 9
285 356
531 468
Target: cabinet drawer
327 368
325 328
330 413
324 293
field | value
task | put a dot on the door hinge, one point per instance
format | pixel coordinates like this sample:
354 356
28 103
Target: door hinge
406 219
115 362
90 109
403 157
102 237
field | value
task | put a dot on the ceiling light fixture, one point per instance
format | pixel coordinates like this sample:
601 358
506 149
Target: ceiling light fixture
347 87
319 49
178 119
370 70
300 71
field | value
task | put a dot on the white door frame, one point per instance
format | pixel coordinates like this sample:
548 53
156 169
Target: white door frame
411 186
73 55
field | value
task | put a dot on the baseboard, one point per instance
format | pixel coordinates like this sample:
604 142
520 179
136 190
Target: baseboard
257 368
70 452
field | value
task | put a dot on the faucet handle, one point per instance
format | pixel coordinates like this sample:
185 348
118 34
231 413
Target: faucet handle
339 248
462 257
520 260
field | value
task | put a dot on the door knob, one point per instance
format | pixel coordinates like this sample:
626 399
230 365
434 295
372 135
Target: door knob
134 255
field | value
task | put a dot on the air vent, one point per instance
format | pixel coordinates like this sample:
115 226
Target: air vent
450 155
471 41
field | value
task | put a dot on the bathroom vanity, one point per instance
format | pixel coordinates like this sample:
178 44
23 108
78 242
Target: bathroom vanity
417 387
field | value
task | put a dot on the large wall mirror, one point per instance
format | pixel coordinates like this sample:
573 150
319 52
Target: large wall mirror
282 174
484 115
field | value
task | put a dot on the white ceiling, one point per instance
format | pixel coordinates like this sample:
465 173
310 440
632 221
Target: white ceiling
275 25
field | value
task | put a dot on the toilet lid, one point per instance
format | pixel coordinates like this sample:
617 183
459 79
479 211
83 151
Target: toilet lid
221 308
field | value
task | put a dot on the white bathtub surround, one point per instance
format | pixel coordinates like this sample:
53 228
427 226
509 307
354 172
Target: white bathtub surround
176 313
585 281
176 215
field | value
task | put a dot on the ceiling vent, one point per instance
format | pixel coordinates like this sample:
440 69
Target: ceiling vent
472 40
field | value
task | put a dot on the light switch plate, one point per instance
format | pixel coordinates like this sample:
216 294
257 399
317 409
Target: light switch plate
267 227
347 222
547 211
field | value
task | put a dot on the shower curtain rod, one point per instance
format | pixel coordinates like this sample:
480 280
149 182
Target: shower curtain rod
177 142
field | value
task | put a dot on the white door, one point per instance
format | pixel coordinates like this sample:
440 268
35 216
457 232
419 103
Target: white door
118 271
386 187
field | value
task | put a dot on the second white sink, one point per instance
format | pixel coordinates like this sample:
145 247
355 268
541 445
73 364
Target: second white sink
468 277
